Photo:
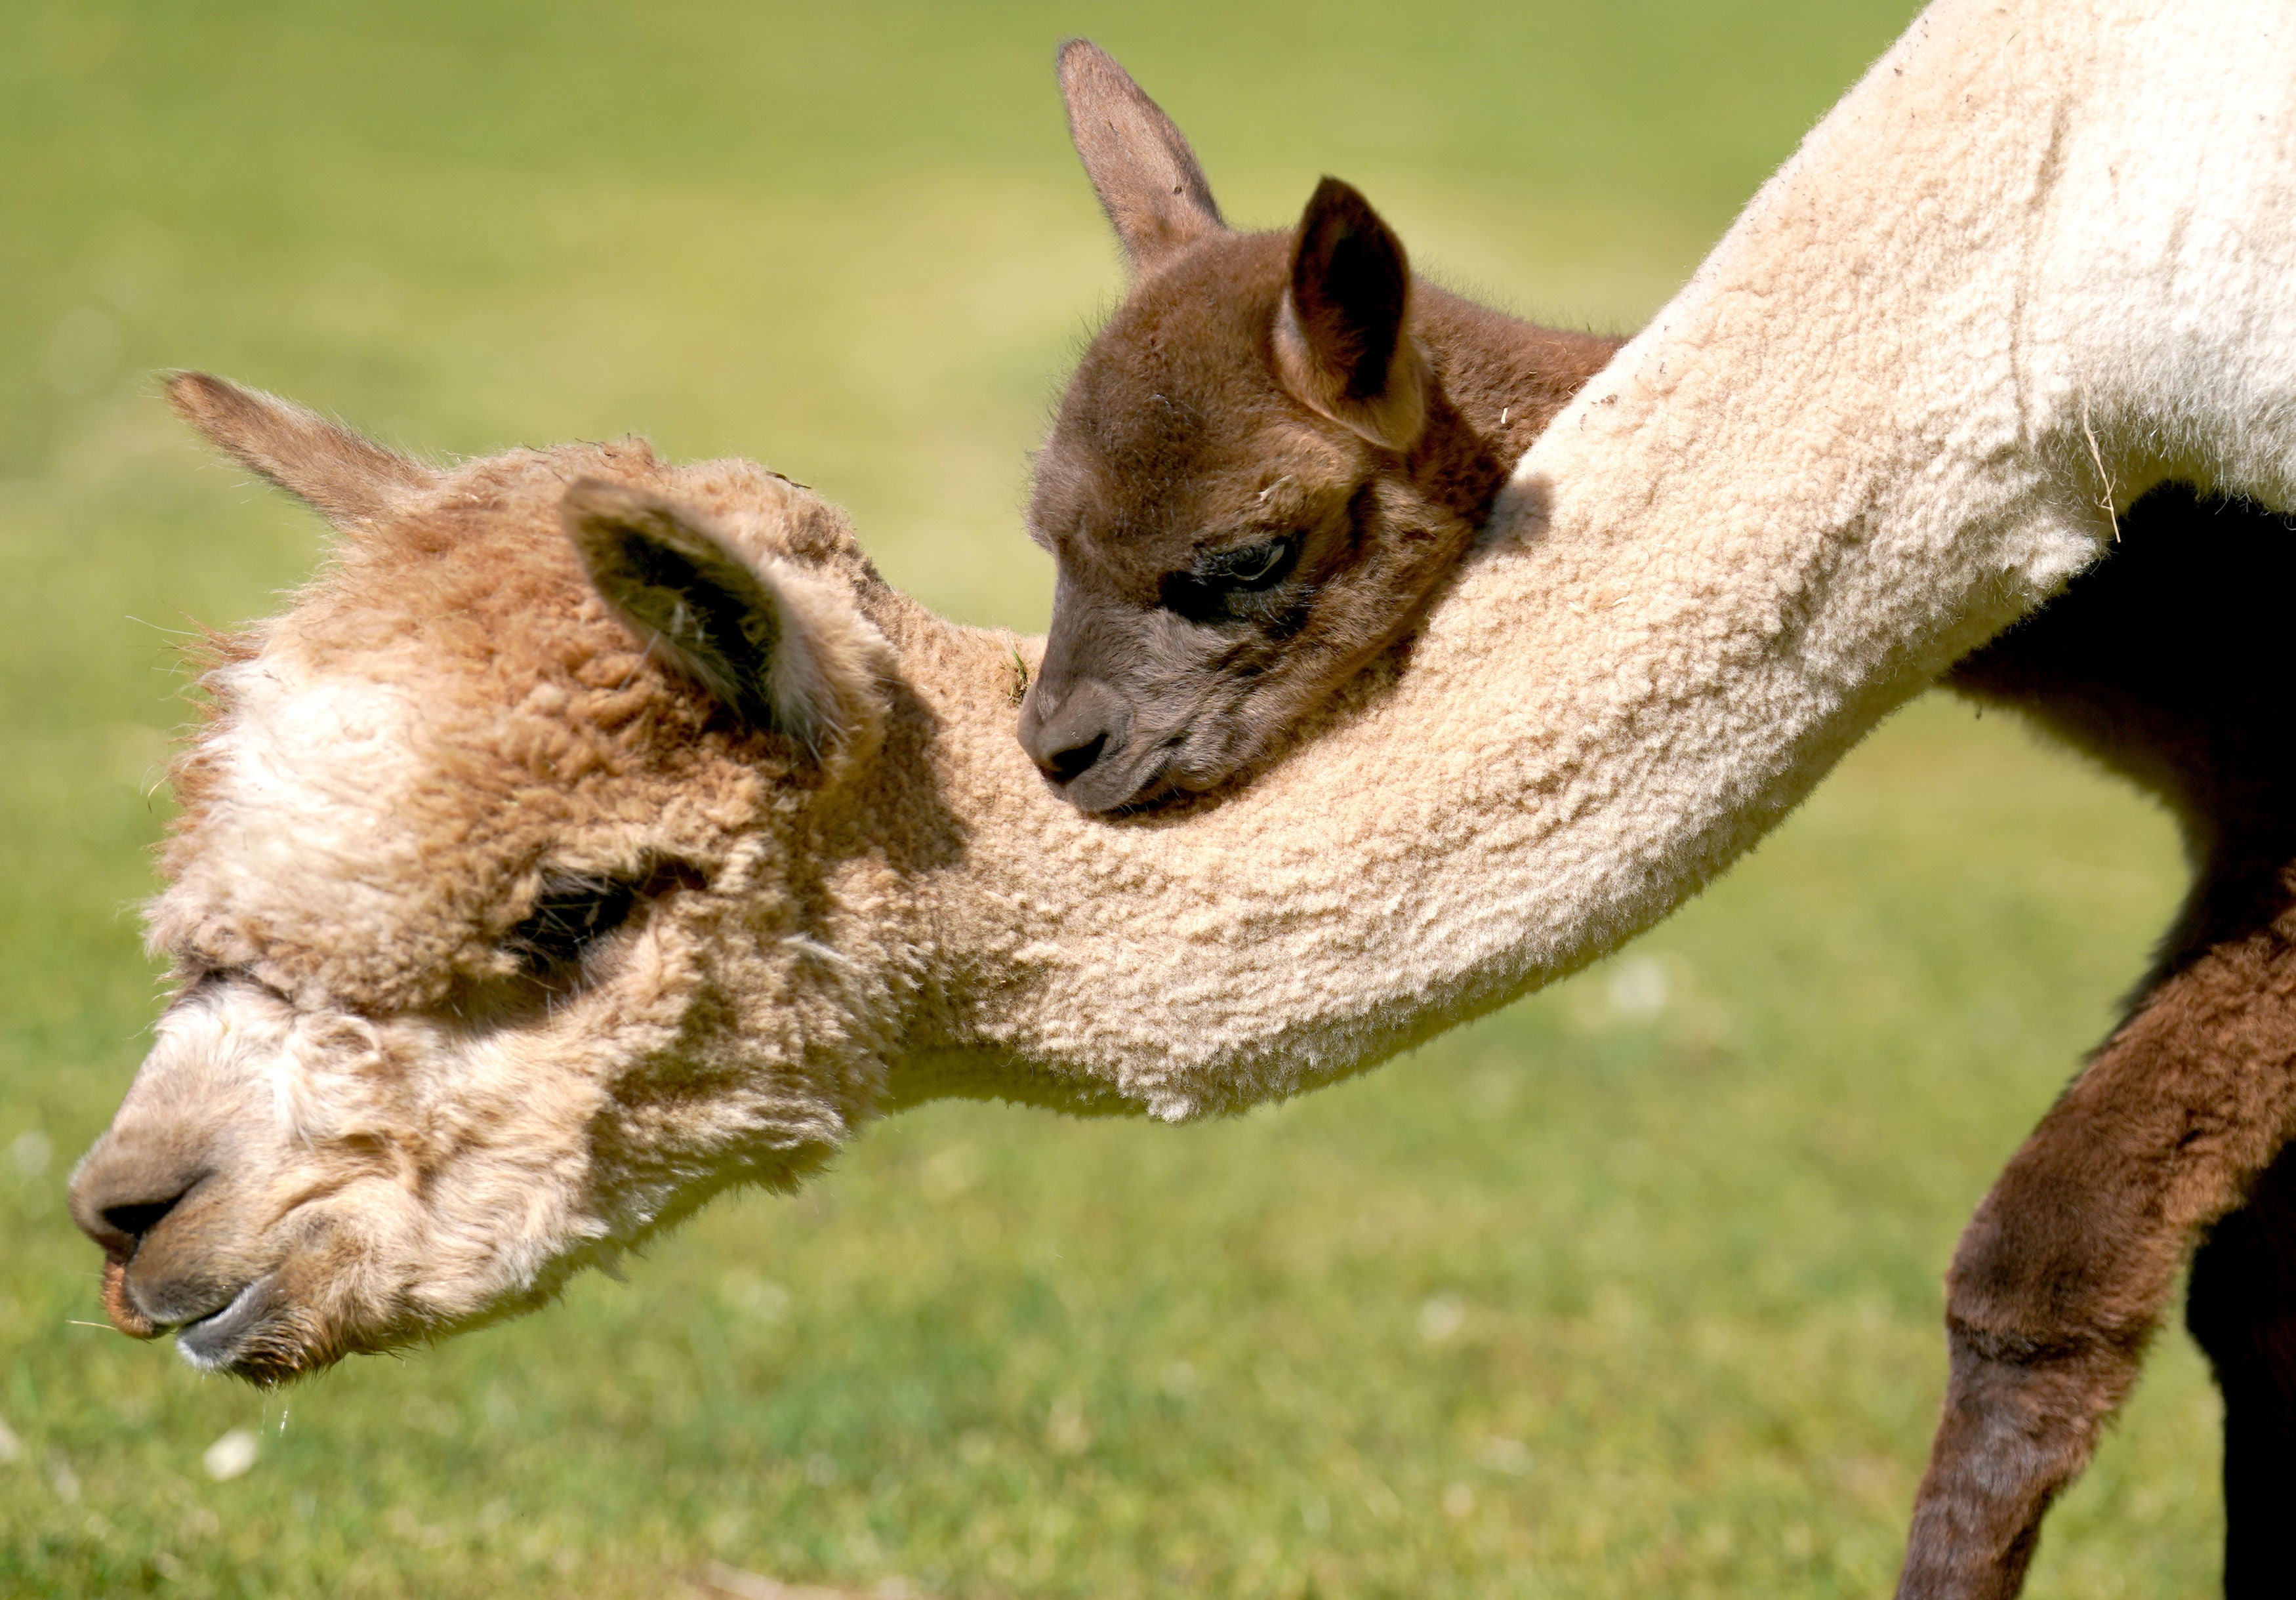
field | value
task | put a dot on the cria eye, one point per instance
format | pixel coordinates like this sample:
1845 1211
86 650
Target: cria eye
572 913
1232 586
1254 566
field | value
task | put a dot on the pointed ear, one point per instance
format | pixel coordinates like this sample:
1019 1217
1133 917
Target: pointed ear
344 478
1146 175
786 651
1343 340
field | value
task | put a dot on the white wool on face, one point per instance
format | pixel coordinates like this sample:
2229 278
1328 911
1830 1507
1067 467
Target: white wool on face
284 1083
222 1046
311 767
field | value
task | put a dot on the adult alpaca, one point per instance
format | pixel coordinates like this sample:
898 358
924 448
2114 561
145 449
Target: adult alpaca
504 944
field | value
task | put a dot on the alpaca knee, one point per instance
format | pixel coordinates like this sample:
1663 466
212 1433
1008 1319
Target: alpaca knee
2051 1273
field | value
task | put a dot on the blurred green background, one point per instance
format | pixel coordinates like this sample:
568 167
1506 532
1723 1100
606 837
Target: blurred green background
1631 1290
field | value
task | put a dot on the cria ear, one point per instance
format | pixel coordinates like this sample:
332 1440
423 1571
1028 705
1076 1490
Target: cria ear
1343 334
344 478
785 650
1146 175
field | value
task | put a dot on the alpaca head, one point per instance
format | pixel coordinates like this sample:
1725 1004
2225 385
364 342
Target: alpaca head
504 905
1255 478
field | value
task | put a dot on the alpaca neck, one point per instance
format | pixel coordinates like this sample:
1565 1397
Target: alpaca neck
1853 449
1503 380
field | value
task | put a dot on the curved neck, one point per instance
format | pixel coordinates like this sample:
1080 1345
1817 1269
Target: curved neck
1504 378
1884 419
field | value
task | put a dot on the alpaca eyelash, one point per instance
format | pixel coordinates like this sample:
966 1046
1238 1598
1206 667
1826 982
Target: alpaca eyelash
1249 567
1229 585
572 913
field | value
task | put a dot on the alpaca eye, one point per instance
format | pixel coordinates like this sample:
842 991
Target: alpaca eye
1230 585
1255 566
572 913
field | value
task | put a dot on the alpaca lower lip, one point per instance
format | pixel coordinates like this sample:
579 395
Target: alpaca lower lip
1106 788
209 1341
1157 779
1168 784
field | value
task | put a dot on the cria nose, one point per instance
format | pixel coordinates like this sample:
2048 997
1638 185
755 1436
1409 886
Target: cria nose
1067 737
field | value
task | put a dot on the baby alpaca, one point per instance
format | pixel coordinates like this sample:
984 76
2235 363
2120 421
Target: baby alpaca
1270 457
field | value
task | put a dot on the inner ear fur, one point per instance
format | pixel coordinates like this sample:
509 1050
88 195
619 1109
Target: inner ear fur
783 649
1342 341
346 479
1147 178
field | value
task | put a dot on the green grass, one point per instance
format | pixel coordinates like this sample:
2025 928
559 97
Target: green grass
1599 1298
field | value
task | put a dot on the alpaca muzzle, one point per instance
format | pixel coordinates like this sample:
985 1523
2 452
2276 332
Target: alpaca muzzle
126 1315
129 1198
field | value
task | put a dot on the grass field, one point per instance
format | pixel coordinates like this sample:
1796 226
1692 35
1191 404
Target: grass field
1631 1290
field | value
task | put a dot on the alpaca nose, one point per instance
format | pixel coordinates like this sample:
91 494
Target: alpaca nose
119 1196
1066 735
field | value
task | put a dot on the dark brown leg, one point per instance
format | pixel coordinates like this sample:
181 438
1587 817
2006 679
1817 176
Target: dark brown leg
2242 1311
2066 1268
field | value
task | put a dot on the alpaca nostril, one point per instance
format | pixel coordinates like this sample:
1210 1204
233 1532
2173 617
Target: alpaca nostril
122 1228
127 1186
140 1218
1065 764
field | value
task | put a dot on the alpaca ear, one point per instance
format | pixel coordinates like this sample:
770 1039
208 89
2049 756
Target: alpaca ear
344 478
784 650
1343 342
1146 175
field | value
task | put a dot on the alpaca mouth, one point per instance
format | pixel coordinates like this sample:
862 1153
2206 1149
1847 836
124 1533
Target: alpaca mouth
1152 786
1131 780
210 1342
1177 773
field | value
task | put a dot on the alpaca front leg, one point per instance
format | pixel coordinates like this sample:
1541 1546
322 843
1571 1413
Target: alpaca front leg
2241 1311
2064 1272
2046 1331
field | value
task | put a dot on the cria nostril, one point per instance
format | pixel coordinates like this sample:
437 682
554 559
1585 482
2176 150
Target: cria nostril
1076 759
140 1217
